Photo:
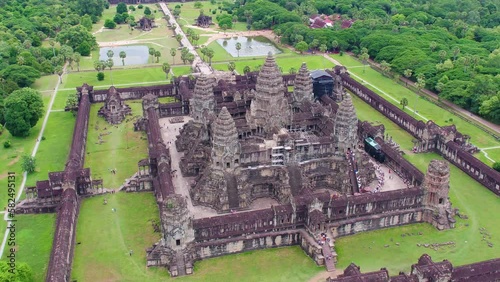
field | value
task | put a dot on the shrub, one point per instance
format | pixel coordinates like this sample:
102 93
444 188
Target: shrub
496 166
100 76
140 6
7 144
43 138
109 24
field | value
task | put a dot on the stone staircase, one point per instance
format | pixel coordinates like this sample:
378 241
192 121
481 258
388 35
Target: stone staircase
327 252
181 265
232 190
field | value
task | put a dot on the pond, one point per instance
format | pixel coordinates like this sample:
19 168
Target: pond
250 46
136 54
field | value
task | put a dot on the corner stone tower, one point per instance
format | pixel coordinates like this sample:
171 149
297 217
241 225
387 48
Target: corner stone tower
436 188
345 132
269 110
202 104
303 86
225 145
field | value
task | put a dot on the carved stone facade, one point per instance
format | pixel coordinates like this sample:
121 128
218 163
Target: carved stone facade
264 149
114 109
437 186
269 110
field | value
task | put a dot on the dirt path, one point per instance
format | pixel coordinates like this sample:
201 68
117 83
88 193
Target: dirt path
323 275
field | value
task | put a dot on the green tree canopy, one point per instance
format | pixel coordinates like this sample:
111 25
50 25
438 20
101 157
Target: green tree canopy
23 272
23 109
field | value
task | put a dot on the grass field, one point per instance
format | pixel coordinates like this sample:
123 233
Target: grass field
128 77
53 151
465 193
424 107
121 147
34 241
285 63
107 237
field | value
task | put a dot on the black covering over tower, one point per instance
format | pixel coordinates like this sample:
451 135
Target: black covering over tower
322 83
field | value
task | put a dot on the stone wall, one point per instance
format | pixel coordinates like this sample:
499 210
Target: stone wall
133 93
451 150
61 257
240 244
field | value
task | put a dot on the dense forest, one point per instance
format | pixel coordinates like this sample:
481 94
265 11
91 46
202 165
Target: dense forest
453 47
26 24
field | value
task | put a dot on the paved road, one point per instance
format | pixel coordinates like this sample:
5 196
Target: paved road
198 62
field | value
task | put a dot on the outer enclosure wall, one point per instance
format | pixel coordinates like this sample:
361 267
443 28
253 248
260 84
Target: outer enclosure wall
451 151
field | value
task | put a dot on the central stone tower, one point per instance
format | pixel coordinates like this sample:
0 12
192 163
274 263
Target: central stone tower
346 126
202 104
269 110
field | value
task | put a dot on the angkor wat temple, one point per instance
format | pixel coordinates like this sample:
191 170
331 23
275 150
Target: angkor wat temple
250 138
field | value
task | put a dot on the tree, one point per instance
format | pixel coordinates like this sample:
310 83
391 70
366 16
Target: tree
323 48
210 55
157 55
23 272
76 58
364 59
178 37
72 103
100 76
23 109
152 52
75 36
407 73
24 76
166 69
292 71
404 102
432 45
442 55
314 44
301 46
231 66
121 8
28 164
86 21
456 51
246 70
496 166
123 55
173 52
335 45
195 37
238 48
109 24
385 66
198 5
59 71
147 11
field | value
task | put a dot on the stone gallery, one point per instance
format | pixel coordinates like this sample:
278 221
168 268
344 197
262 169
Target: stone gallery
240 163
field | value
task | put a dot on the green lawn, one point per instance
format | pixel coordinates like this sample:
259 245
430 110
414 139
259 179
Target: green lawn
53 151
107 237
34 237
424 107
466 194
121 78
285 63
121 149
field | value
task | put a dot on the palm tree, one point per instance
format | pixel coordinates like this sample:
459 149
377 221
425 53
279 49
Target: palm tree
123 55
59 70
109 63
173 52
152 52
404 102
364 58
407 73
157 55
385 66
210 55
76 58
166 69
231 66
238 48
